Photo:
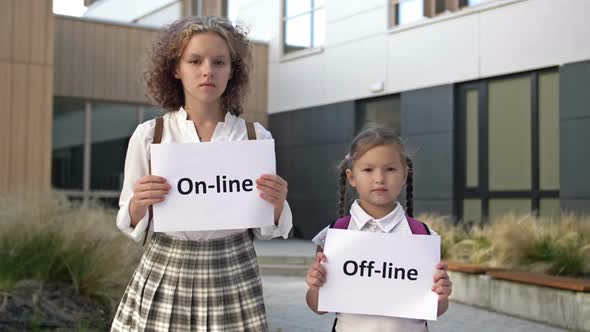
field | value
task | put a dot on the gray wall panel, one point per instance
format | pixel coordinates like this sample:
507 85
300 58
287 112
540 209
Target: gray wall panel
580 206
312 215
428 130
574 90
433 165
442 207
427 110
574 111
310 143
575 158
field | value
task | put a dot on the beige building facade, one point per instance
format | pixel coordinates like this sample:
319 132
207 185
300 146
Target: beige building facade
72 92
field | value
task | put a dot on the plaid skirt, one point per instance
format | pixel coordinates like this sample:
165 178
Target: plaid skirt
180 285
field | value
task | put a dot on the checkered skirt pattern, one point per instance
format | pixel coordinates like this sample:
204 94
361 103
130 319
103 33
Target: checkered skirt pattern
180 285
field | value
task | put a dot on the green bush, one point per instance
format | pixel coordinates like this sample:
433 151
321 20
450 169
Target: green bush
50 239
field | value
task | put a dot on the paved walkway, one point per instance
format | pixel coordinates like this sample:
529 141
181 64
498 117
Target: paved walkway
290 247
287 311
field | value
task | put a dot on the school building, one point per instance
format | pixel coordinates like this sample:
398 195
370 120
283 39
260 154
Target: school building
492 97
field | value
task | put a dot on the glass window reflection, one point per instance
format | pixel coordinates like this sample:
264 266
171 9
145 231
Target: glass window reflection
67 162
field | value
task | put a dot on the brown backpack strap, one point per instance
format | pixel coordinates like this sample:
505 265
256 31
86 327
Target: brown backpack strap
251 130
251 136
157 139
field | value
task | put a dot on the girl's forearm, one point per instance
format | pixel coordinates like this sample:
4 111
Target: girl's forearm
312 300
443 305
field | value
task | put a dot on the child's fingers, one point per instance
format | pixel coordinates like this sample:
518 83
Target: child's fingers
442 266
317 274
271 188
271 191
315 277
440 274
443 288
148 186
151 178
151 194
442 283
271 199
312 282
320 257
317 267
276 183
273 178
443 292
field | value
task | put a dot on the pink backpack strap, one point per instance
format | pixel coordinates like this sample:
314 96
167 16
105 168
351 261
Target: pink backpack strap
341 223
418 227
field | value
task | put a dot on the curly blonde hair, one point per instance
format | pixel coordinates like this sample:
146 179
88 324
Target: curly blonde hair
166 90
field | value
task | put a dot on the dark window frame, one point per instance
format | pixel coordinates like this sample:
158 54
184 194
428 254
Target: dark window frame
482 192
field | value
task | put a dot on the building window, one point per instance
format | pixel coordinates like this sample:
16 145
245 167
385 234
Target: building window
112 126
304 25
508 159
67 162
379 112
467 3
403 12
406 11
89 146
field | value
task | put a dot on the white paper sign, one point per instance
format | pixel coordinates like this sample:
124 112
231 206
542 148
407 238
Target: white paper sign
213 185
380 274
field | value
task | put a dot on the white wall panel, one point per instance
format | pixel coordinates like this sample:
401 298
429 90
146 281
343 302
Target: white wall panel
351 68
500 37
338 9
534 34
433 54
365 24
301 83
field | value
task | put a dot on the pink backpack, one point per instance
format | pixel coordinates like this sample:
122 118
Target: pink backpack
416 225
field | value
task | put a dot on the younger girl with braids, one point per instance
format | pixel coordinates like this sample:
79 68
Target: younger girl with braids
377 167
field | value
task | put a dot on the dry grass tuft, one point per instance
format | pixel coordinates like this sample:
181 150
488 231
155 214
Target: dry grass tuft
48 238
553 246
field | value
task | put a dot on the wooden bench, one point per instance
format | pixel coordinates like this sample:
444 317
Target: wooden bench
574 284
470 268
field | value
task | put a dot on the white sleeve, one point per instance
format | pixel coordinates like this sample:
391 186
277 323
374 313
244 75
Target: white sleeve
261 132
136 166
282 229
286 218
320 238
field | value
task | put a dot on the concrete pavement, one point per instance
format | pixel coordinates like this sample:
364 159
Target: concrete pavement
284 293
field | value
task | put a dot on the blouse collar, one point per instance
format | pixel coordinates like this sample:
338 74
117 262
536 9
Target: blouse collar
387 223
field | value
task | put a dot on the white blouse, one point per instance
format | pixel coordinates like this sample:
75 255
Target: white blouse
178 129
396 223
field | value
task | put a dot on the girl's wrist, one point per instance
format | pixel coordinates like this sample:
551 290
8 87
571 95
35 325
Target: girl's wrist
136 212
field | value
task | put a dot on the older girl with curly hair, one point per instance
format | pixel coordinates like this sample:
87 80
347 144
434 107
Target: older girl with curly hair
198 280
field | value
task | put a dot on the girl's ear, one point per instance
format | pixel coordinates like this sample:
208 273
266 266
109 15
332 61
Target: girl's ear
350 178
177 71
